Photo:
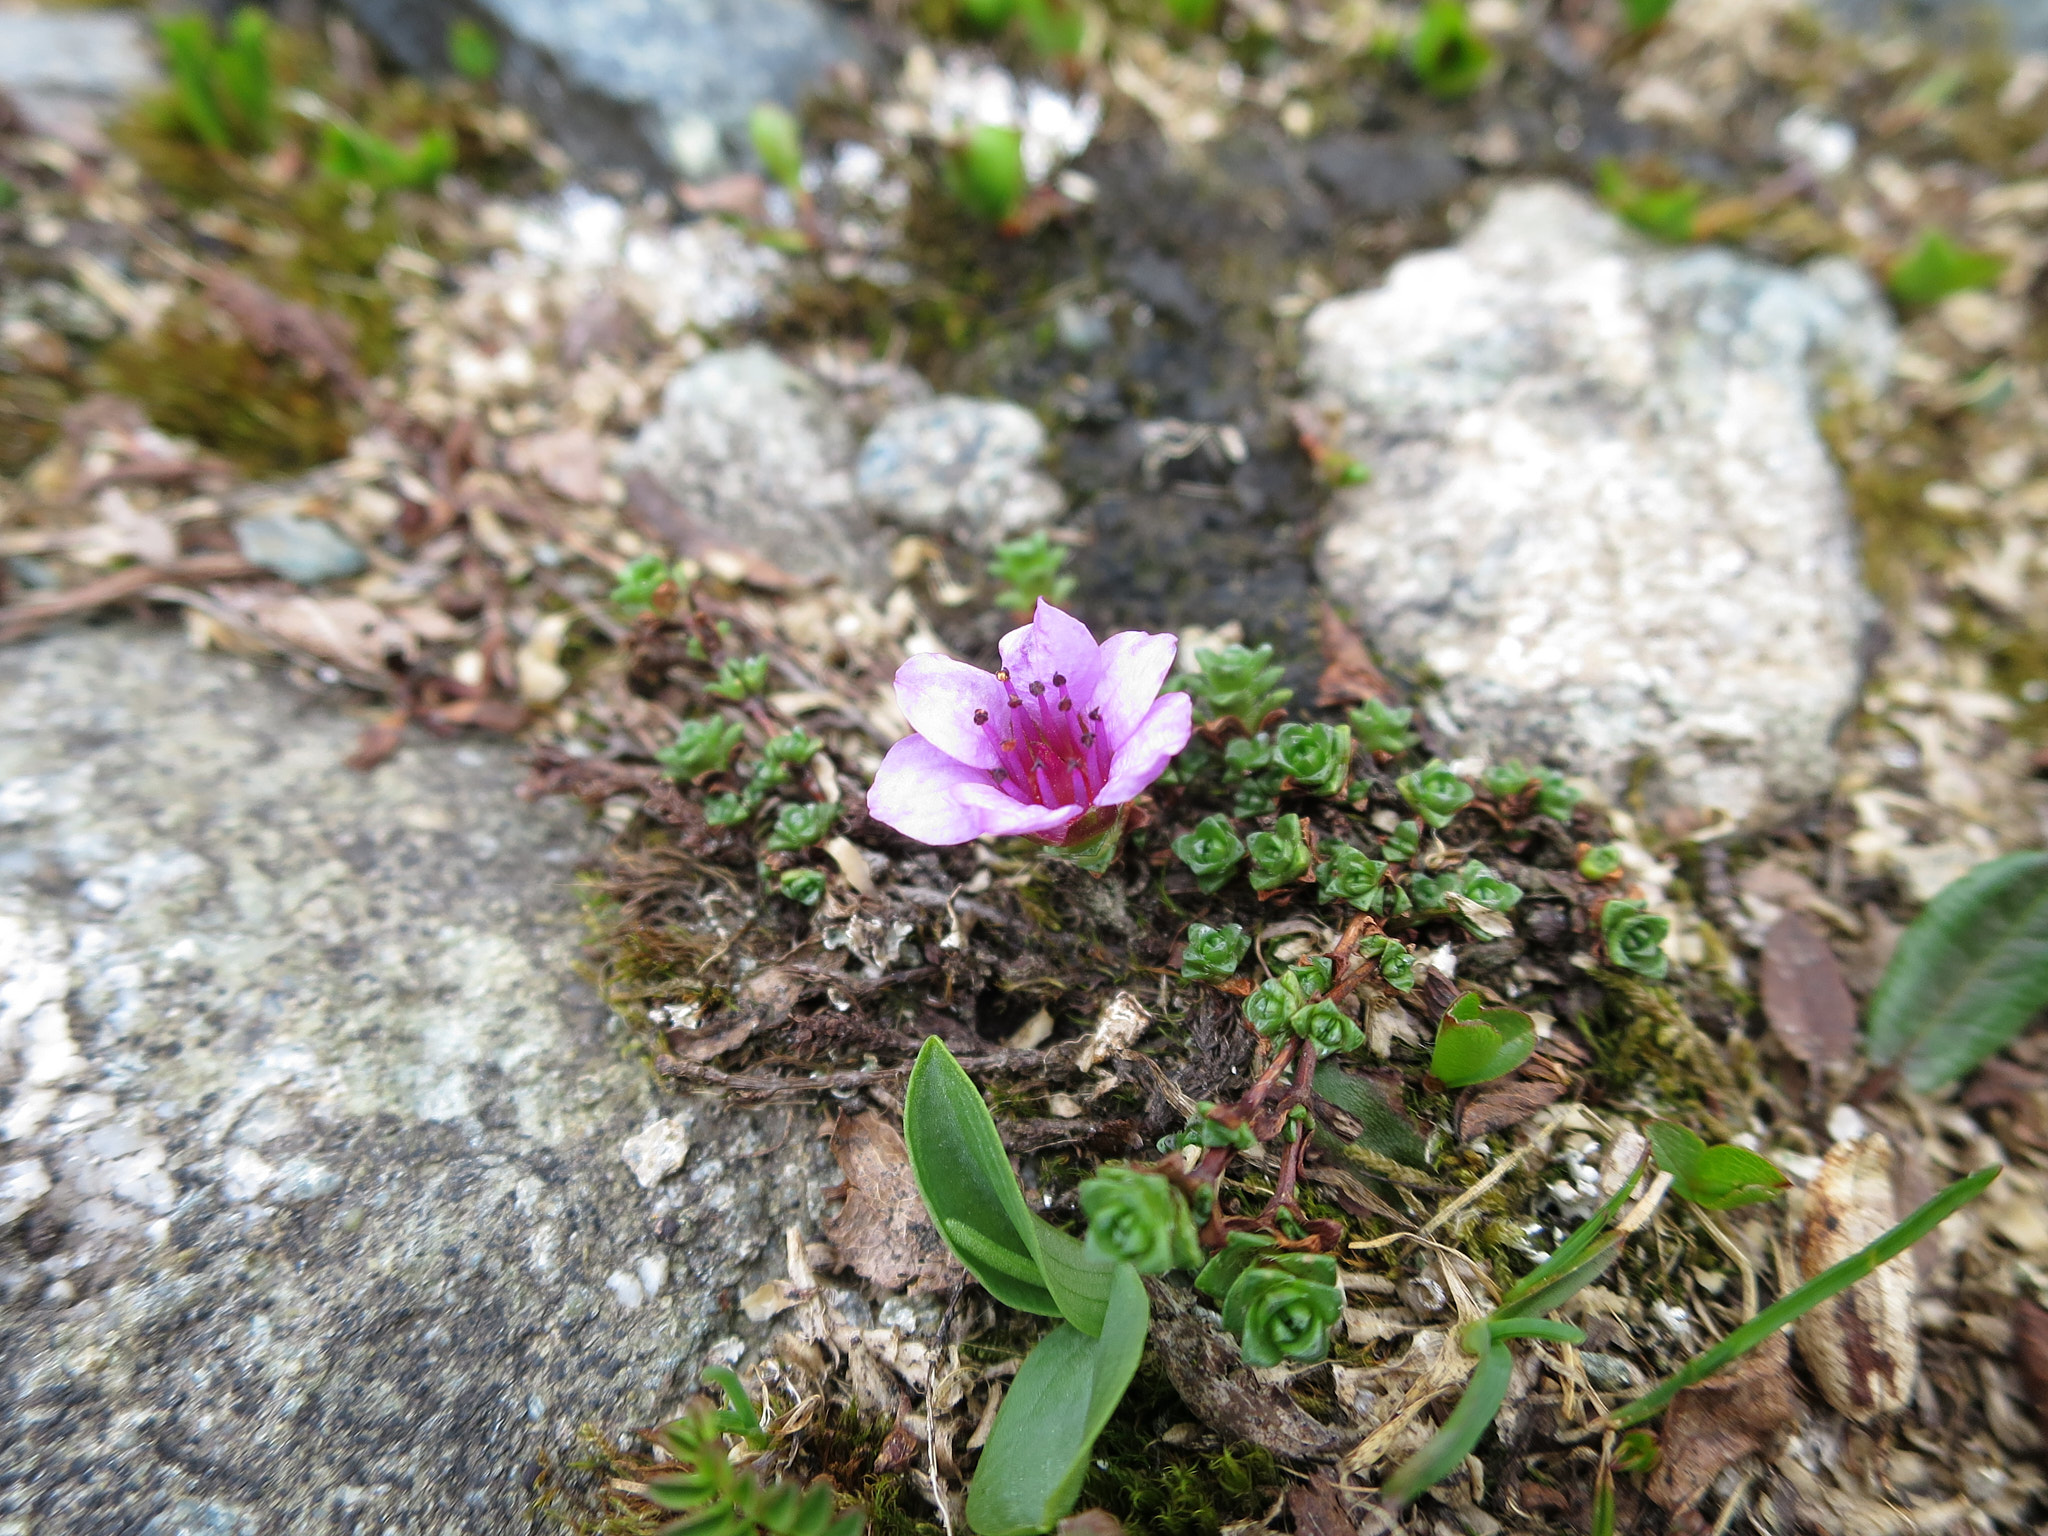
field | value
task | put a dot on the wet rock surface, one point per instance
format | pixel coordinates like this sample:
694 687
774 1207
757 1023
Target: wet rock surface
316 1210
1601 510
624 82
66 72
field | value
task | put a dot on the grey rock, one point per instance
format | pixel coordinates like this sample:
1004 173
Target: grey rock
968 467
338 1237
301 549
67 70
1372 175
1610 1373
658 85
758 455
1601 510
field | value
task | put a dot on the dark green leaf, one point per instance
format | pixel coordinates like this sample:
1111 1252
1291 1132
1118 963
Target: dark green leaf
1476 1044
1968 975
1384 1127
965 1178
1037 1453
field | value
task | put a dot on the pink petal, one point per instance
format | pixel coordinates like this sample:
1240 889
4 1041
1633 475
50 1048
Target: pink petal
939 697
1134 664
1053 643
1144 756
932 798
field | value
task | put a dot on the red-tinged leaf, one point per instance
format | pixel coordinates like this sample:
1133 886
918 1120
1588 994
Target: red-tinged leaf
1806 1001
1349 677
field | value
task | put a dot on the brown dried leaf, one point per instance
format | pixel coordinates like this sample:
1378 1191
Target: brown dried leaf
882 1232
569 462
1317 1510
1806 1001
1349 677
2030 1348
1715 1424
1502 1104
347 631
1090 1522
379 739
1862 1346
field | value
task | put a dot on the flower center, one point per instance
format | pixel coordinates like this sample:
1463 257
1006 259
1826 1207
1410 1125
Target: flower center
1049 752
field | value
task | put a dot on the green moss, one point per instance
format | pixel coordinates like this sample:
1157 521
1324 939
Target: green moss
199 379
1159 1489
31 410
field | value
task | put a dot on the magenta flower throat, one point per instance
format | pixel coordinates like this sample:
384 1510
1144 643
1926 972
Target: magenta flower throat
1050 747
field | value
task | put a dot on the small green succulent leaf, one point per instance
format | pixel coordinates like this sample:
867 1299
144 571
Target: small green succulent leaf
806 887
740 677
726 810
1283 1308
1434 793
1212 850
1329 1029
1937 267
987 15
1317 757
1403 843
1383 728
1384 1126
1038 1450
1238 1253
634 593
1968 975
1505 779
1602 861
1236 683
1663 213
1213 954
1279 856
1554 797
800 826
1055 28
1396 964
1138 1218
1637 1452
1028 569
1716 1178
1346 874
702 746
1635 938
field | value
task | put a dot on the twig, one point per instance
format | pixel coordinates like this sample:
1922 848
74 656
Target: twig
1741 1261
18 620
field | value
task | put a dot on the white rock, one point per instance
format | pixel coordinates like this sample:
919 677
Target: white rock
967 466
758 455
22 1187
1600 510
657 1151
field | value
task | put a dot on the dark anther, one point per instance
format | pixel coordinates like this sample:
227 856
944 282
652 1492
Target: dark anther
1037 689
981 717
1066 704
1059 679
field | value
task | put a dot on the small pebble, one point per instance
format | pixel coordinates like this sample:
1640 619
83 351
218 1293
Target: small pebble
300 549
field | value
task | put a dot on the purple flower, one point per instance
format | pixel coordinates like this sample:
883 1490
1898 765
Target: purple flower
1049 747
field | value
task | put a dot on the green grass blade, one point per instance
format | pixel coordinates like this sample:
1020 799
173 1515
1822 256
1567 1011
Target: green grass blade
1450 1445
1571 1253
1790 1308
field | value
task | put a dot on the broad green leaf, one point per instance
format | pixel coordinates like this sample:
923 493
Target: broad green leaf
1476 1044
1968 975
1789 1309
1678 1150
1383 1127
965 1178
974 1200
1447 1449
1730 1176
1037 1453
1239 1250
